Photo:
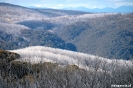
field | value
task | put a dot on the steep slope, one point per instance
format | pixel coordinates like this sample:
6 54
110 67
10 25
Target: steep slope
103 34
108 36
17 26
33 38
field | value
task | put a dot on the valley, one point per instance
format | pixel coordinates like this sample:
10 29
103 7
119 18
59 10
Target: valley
52 48
107 35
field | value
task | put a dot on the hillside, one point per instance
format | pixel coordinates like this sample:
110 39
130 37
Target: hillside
51 67
107 35
45 67
18 34
40 54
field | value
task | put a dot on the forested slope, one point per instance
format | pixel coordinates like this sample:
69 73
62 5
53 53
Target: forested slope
21 27
108 36
51 67
104 34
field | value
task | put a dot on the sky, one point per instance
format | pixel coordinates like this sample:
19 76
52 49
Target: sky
59 4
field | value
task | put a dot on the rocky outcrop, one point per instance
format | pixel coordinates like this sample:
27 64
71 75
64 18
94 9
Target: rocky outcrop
5 58
8 56
10 67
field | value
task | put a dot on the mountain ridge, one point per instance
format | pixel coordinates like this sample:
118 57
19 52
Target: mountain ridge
39 66
103 34
121 9
38 44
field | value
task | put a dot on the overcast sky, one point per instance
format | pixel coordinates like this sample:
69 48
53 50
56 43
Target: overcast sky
58 4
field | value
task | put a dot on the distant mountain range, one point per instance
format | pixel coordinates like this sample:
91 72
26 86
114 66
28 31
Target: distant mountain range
122 9
33 36
107 35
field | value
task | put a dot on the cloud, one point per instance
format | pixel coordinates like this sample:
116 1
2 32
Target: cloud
118 3
71 3
38 5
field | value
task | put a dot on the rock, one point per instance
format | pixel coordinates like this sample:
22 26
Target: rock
8 56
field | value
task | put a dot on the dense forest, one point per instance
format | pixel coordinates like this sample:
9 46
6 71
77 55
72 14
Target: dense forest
108 35
39 67
50 48
104 34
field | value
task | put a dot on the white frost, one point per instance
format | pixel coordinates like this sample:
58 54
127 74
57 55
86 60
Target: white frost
37 54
